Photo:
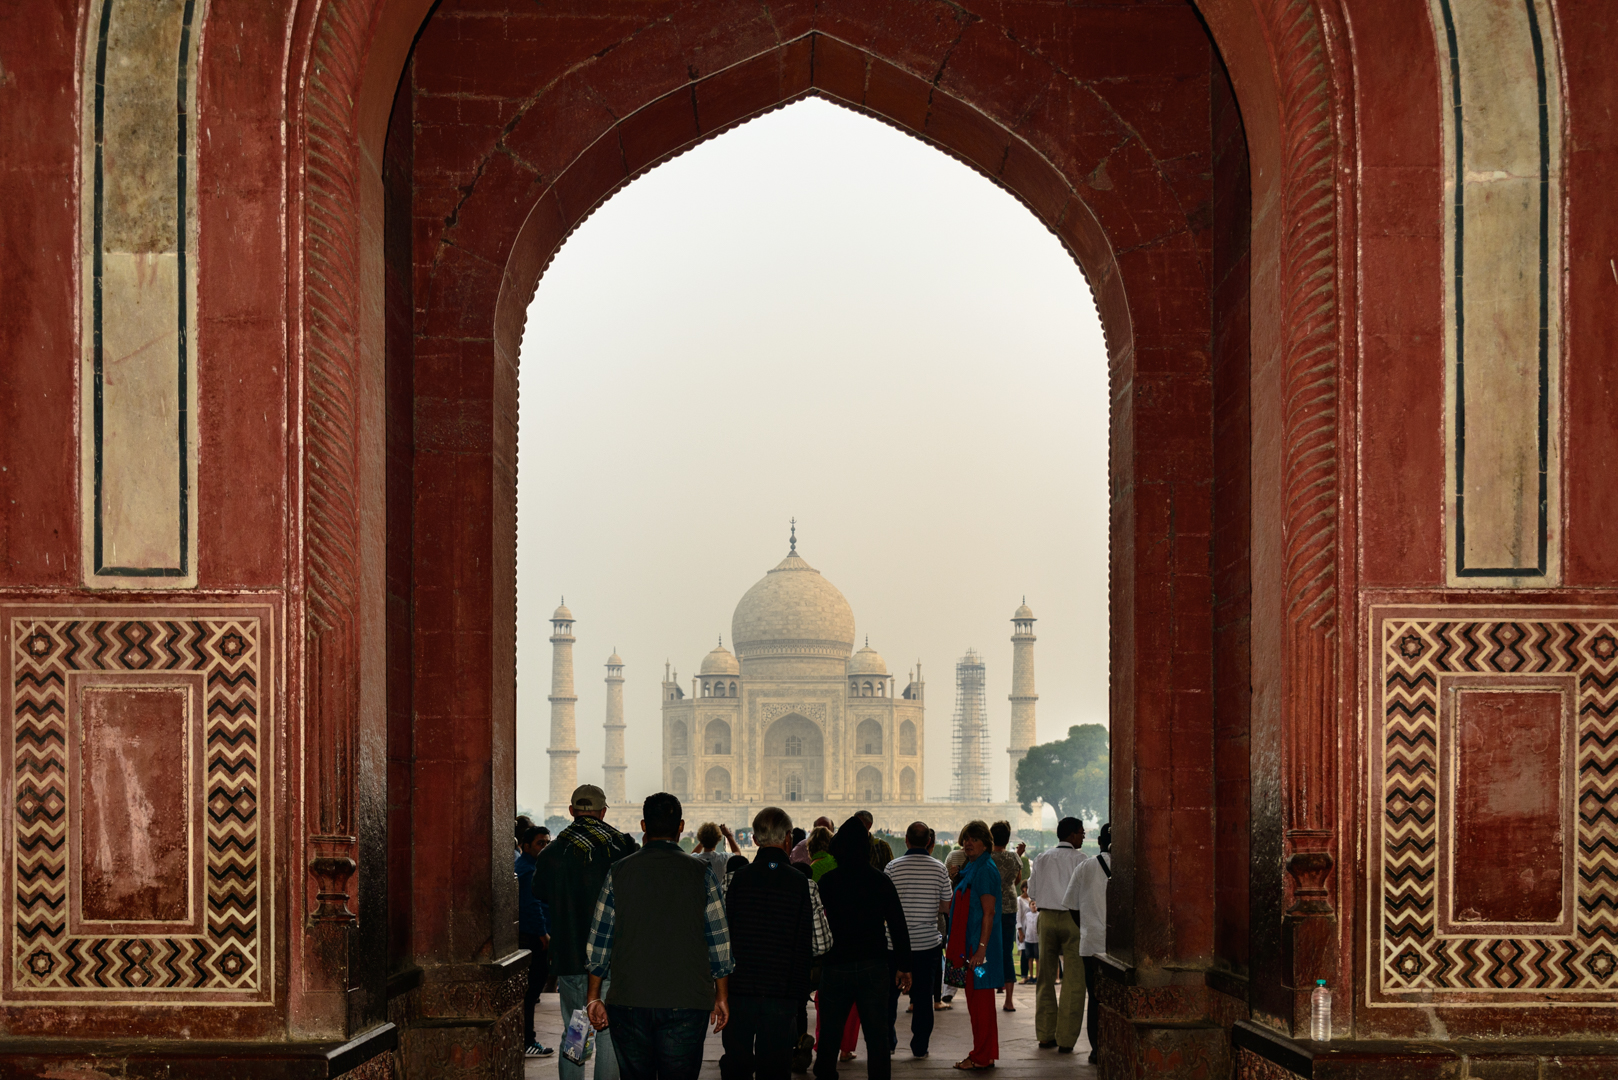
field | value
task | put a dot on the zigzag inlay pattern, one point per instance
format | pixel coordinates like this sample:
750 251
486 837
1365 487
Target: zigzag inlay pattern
229 954
1414 654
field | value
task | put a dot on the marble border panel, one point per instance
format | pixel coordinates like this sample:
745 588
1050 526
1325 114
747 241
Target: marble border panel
232 648
1412 651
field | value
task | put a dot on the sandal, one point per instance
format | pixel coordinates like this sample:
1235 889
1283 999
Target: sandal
966 1064
940 1006
1008 1007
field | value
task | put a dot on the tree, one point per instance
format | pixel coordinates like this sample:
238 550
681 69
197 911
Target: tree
1071 774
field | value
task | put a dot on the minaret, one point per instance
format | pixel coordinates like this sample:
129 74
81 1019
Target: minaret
564 749
615 730
1022 689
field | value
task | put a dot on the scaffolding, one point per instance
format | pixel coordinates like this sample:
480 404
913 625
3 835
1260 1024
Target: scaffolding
971 732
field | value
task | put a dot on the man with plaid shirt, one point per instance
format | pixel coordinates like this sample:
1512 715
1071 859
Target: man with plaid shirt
660 940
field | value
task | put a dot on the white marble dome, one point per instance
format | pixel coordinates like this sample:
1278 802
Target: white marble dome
720 662
867 662
793 610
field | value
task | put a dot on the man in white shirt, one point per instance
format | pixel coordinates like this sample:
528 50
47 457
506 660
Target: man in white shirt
1087 895
1057 1023
924 893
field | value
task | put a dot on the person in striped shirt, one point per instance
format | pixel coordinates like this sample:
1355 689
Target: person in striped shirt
924 894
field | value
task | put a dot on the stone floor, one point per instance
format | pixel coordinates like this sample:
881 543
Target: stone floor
1020 1055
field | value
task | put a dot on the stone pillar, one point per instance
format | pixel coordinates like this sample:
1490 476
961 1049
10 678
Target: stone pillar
564 748
615 731
1022 691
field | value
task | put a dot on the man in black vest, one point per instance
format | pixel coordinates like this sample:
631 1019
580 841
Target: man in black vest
660 938
776 925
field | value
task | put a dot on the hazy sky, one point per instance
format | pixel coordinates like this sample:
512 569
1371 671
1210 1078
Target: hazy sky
812 316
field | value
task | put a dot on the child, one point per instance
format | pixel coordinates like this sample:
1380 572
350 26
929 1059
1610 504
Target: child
1027 933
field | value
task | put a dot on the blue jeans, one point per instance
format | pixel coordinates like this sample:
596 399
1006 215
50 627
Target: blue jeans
571 989
657 1044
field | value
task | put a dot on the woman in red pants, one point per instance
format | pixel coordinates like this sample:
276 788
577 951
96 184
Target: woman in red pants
975 941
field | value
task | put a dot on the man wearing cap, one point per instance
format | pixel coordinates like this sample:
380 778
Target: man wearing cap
568 876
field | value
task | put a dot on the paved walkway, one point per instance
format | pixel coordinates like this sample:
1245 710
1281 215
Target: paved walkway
1020 1056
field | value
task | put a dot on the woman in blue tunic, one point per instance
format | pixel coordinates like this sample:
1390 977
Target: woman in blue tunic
975 941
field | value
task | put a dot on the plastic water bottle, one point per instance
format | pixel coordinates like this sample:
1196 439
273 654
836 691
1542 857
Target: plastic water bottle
981 970
1320 1012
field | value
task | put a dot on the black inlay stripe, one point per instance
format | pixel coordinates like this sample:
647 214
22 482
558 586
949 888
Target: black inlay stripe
1458 119
95 263
1544 282
182 164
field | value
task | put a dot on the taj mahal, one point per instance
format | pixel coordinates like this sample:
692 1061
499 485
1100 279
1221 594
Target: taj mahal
794 717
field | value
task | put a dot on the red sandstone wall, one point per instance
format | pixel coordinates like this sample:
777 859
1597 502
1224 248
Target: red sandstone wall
1233 508
1166 192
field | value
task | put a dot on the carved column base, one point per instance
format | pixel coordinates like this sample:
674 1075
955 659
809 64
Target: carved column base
1309 928
333 861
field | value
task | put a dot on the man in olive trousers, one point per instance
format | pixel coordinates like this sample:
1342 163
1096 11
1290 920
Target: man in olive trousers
1057 1024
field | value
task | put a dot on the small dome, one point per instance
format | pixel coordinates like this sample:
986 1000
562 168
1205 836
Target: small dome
562 614
615 660
1023 614
720 662
867 662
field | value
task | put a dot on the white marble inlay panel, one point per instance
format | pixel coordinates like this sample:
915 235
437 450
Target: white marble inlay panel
138 381
1502 137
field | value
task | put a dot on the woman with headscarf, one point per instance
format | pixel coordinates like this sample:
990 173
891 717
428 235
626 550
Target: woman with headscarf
863 908
975 941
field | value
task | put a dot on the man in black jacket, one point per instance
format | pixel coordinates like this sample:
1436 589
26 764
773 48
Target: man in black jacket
861 903
568 876
776 925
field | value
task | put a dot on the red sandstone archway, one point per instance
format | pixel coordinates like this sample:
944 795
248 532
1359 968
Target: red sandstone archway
513 170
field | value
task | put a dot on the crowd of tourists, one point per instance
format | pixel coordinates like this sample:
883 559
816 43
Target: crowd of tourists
655 944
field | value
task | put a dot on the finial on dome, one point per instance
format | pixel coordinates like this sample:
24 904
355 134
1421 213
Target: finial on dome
721 641
794 536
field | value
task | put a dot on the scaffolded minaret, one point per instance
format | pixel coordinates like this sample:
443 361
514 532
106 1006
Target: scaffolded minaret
1022 690
564 749
971 784
615 730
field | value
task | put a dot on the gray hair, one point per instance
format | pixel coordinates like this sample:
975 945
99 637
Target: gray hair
771 826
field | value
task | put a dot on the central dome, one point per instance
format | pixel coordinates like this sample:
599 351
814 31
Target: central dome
793 611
